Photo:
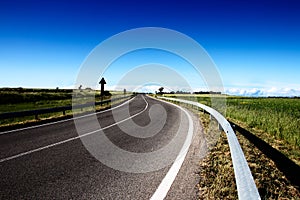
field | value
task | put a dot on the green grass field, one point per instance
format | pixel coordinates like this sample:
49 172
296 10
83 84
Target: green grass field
280 117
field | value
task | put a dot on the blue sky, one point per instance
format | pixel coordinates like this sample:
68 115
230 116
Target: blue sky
255 44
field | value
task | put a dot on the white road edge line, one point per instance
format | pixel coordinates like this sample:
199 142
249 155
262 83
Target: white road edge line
65 120
164 187
73 138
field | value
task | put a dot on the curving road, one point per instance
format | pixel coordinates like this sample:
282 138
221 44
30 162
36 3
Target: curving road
53 161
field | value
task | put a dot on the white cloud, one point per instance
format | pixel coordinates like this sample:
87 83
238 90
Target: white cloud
261 92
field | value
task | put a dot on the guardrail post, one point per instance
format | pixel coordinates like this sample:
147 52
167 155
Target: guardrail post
233 127
220 127
64 112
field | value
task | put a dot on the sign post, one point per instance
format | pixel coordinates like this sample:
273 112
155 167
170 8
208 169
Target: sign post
102 82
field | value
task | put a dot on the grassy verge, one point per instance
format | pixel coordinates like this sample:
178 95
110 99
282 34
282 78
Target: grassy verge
217 176
13 107
290 151
216 171
31 120
20 99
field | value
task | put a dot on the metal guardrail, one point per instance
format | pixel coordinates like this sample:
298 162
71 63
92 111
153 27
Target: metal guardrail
245 183
63 109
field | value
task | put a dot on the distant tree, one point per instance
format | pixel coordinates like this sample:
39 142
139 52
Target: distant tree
107 93
80 88
161 90
20 89
182 92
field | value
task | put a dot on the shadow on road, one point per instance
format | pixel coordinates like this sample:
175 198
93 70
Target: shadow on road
290 169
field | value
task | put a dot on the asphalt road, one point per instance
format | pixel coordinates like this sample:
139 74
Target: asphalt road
53 161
